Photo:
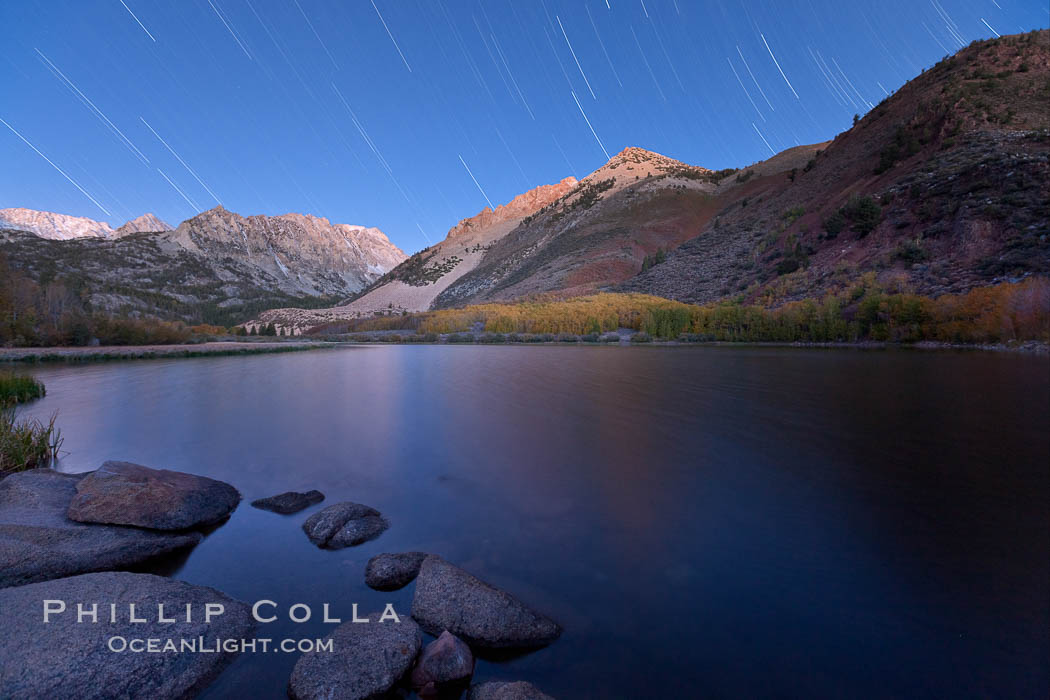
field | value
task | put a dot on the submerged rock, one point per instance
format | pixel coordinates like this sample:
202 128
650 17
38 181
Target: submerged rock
445 660
289 502
38 542
499 690
69 659
367 660
122 493
448 598
389 572
344 525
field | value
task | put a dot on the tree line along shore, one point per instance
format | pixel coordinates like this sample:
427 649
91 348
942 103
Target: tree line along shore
1007 313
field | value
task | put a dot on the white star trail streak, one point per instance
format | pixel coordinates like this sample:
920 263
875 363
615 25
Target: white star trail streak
777 63
997 34
646 61
137 19
391 35
492 57
463 48
98 112
179 158
506 65
52 164
478 184
832 88
569 44
362 132
554 51
572 168
949 23
319 39
595 133
753 79
934 37
836 82
944 15
763 138
744 89
602 44
176 187
230 30
425 236
513 157
850 83
670 63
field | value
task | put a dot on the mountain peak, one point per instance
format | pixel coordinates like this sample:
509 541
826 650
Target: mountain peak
217 210
293 247
48 224
148 222
635 156
634 163
637 152
524 204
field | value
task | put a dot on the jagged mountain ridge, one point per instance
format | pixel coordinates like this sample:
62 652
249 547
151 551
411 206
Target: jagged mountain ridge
216 267
143 224
942 187
417 281
598 233
492 238
305 254
60 227
951 169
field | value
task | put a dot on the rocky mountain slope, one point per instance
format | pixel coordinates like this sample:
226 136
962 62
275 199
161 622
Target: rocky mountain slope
303 254
940 188
602 231
557 236
419 280
217 267
944 186
61 227
143 224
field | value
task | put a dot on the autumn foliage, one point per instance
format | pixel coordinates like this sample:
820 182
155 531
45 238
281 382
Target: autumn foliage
1006 312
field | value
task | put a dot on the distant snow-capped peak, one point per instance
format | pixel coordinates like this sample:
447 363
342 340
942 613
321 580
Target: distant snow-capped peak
62 227
59 227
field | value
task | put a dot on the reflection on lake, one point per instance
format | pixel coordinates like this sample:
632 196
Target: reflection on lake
715 521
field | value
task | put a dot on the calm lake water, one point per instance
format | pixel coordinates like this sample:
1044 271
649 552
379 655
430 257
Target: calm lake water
703 521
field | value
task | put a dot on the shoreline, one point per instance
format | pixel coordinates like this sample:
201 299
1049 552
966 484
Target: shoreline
76 354
103 353
1023 347
1027 347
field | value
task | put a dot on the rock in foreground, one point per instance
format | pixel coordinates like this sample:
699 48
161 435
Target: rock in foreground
69 659
389 572
38 542
344 525
289 502
499 690
445 660
122 493
448 598
367 660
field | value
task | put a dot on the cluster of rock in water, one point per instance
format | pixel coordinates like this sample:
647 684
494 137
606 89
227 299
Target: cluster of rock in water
72 537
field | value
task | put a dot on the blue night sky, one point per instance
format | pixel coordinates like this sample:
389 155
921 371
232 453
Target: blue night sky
372 112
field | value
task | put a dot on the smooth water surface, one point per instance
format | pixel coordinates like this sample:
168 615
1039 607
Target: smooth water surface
703 521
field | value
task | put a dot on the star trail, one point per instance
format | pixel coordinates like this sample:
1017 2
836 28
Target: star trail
369 111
